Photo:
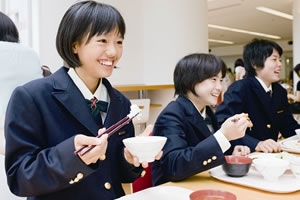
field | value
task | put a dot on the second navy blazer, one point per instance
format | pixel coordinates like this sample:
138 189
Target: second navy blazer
269 115
190 148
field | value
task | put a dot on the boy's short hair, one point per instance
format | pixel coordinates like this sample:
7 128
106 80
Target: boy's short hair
256 52
86 18
195 68
8 29
297 68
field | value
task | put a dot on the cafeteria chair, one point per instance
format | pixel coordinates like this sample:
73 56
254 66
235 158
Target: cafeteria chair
140 121
145 181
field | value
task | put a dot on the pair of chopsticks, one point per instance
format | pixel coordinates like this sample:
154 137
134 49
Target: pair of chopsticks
250 125
134 111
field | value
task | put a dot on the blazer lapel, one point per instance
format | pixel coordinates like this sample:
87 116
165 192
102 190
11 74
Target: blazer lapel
194 117
262 97
66 92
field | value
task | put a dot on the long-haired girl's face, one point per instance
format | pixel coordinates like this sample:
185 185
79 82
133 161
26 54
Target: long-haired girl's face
100 54
209 90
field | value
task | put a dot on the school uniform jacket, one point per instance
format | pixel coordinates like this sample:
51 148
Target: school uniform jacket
269 115
190 148
43 117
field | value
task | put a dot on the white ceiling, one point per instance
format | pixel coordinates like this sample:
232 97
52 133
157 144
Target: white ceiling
242 14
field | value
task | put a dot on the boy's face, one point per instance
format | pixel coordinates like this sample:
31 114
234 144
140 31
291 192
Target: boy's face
208 91
270 73
99 56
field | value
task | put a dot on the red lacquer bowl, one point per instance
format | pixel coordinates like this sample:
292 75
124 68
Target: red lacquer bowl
212 195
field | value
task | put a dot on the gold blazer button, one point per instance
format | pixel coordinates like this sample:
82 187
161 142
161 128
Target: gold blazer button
204 163
80 175
107 185
268 125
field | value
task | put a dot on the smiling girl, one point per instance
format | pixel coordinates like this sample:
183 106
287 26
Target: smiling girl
48 119
193 144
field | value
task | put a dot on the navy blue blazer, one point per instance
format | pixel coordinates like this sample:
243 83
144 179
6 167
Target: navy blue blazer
43 116
190 148
269 115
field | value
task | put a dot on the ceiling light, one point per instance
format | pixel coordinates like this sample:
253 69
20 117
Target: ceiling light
220 41
275 12
244 31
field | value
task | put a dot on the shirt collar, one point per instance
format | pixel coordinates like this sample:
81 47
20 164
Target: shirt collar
267 89
203 113
100 93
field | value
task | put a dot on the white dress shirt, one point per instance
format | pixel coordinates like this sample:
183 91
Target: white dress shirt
100 93
221 139
267 89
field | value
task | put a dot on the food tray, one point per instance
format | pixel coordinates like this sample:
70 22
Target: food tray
285 184
285 144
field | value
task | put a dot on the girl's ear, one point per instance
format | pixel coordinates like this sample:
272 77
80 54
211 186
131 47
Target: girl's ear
75 47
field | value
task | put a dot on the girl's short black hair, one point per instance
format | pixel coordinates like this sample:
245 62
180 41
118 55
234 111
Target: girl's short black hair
256 52
8 30
195 68
86 18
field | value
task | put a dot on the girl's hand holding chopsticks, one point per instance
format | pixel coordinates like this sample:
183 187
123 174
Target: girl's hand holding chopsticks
96 153
235 126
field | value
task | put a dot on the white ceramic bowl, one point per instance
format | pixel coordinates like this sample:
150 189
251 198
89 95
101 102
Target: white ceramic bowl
295 166
145 148
270 168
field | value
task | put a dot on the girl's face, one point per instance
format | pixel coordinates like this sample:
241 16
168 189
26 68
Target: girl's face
271 71
208 91
99 56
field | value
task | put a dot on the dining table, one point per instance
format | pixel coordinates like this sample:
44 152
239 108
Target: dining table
204 180
210 180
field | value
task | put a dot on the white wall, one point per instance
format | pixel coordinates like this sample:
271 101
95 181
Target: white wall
230 53
296 38
50 14
131 69
159 33
172 29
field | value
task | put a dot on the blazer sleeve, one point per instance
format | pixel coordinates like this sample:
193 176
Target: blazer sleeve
181 159
32 167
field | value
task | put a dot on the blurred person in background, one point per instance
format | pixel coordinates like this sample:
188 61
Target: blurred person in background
239 69
19 64
295 106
